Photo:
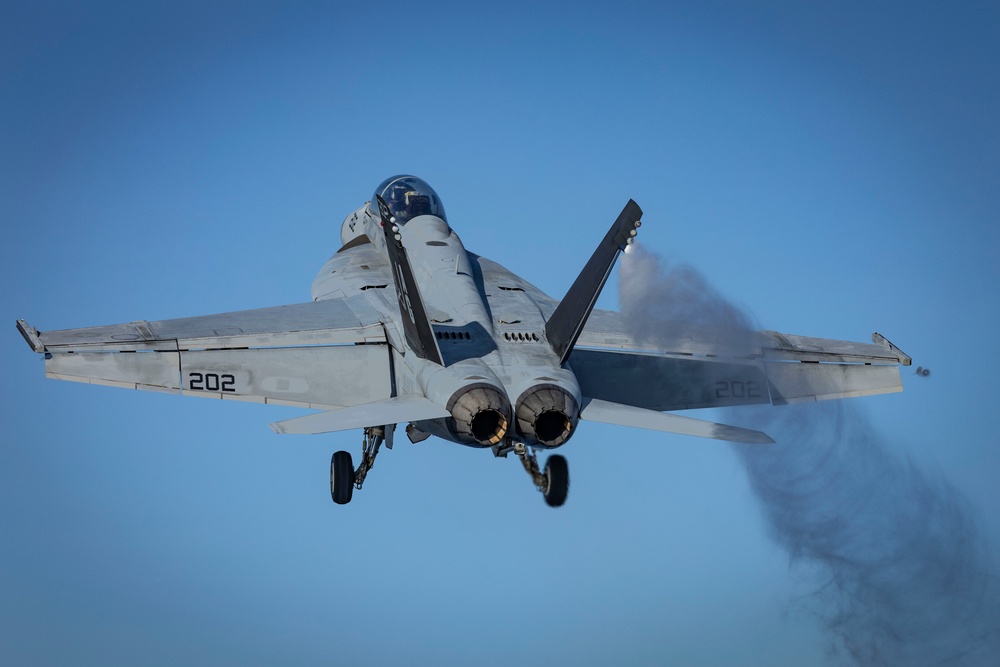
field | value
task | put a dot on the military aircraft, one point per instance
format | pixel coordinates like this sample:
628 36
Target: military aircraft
406 326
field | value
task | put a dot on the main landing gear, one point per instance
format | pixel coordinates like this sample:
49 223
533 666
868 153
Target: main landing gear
553 481
343 477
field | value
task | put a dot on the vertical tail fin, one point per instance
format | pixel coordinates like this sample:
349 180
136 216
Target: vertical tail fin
564 327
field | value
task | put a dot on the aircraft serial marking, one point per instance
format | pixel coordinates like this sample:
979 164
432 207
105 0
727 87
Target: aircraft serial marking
737 389
211 382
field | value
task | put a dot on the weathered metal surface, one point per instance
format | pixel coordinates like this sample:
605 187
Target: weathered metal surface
798 382
150 371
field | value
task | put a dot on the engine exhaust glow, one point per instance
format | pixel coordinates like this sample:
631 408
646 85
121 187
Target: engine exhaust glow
480 414
546 414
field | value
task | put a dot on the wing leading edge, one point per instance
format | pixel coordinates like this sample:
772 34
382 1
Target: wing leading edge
329 322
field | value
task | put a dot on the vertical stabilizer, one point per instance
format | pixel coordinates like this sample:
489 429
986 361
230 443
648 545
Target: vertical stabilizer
564 327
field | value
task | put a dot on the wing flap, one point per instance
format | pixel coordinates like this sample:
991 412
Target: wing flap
798 382
676 382
338 375
660 382
150 371
325 377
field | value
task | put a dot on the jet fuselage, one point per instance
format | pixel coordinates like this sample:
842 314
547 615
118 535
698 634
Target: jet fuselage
499 377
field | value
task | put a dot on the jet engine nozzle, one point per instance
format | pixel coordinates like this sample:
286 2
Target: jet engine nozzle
546 414
480 413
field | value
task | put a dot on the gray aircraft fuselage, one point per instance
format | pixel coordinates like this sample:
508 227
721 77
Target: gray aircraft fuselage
505 358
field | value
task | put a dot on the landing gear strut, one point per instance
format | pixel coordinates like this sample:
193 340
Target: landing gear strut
553 482
343 477
374 437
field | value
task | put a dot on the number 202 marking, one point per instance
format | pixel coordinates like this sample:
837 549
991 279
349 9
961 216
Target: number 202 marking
737 389
211 382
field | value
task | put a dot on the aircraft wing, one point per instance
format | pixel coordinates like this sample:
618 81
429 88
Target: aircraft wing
699 367
322 354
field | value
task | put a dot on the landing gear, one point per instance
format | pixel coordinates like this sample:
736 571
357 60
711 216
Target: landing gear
553 482
341 478
374 437
557 475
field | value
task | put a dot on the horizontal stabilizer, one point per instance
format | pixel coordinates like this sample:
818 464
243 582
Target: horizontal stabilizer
396 410
596 410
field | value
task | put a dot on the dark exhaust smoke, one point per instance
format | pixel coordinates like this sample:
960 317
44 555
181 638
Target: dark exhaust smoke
901 574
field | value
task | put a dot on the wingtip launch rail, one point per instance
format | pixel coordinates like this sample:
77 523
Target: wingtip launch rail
30 334
903 358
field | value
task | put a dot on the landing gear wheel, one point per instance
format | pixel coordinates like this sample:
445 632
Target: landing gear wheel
341 478
557 480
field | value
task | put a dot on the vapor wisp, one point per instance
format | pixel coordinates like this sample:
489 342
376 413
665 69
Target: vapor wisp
901 572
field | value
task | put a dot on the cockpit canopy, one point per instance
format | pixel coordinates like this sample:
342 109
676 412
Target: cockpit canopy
408 197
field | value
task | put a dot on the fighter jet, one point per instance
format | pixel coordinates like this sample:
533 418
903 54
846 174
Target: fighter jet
407 327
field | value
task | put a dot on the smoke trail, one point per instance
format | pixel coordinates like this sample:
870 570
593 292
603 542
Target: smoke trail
902 574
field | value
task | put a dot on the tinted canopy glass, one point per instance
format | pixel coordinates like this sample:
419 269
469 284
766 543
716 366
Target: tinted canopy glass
408 197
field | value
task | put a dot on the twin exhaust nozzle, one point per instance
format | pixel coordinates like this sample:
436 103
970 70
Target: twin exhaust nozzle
480 414
545 414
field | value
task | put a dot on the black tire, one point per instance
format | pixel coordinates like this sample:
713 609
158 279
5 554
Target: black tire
341 478
557 474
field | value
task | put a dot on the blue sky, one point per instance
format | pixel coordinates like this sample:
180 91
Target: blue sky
833 170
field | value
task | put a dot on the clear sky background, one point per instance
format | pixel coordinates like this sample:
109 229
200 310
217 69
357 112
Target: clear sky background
834 170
